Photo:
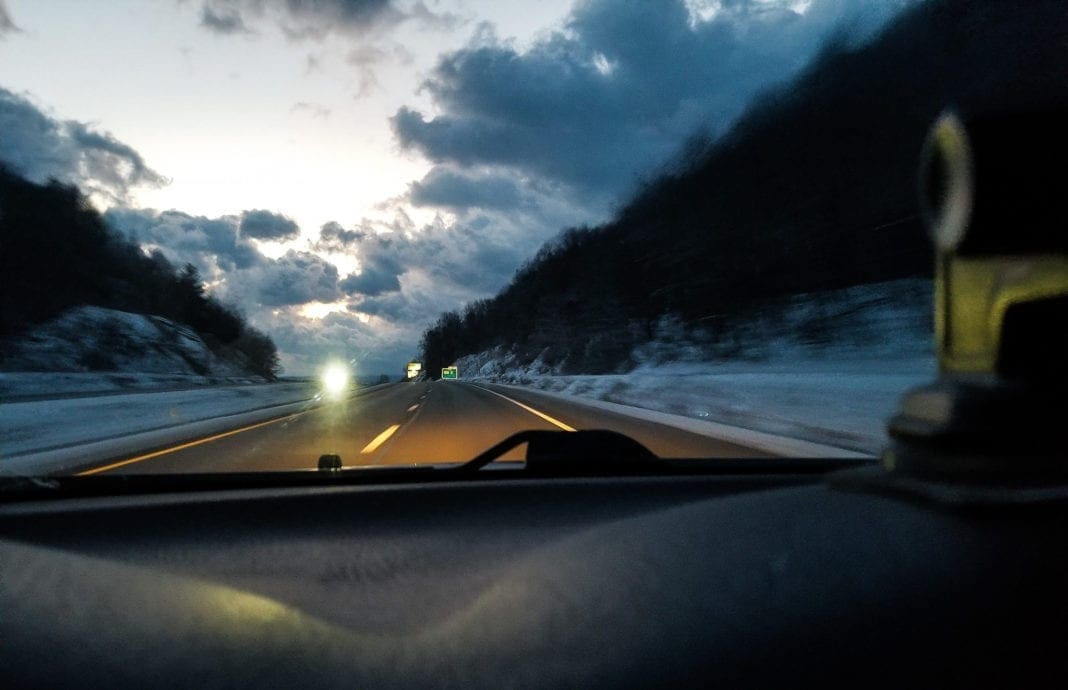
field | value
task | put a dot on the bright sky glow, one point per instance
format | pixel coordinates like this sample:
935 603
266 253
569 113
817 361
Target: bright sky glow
239 122
423 149
317 310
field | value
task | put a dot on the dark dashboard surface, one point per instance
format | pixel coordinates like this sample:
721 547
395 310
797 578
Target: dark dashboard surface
640 581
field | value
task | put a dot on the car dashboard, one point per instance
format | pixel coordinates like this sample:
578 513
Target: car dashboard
737 578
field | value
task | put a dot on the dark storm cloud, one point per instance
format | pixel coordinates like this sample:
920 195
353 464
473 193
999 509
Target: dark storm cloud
408 275
271 292
414 307
222 20
604 102
315 19
381 257
213 245
228 260
264 225
7 25
411 274
447 188
373 280
335 238
294 278
389 306
108 161
38 147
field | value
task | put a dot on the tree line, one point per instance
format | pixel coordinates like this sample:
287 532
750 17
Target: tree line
56 252
814 189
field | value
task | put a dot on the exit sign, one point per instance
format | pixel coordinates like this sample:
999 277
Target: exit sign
450 373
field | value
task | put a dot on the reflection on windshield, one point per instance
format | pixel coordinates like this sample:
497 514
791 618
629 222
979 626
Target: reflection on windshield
693 223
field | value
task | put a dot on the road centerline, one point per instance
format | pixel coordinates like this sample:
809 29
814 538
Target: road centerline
531 410
380 439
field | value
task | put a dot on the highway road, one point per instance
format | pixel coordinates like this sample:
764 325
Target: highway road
406 423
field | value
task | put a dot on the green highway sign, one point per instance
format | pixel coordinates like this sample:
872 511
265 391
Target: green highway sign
450 374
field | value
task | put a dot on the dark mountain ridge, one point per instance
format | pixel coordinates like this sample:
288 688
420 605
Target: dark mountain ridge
814 189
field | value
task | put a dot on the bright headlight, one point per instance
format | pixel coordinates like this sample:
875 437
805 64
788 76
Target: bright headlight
335 379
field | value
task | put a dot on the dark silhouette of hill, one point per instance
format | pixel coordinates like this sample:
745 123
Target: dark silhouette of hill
813 189
57 253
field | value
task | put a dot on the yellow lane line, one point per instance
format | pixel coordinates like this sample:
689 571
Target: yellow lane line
380 439
200 441
531 410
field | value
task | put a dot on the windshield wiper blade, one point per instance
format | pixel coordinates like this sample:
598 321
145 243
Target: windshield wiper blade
586 452
605 453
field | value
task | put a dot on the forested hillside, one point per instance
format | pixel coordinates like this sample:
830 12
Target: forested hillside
814 189
57 253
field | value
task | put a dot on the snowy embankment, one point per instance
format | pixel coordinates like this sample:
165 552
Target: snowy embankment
31 385
89 350
95 383
39 436
842 404
108 340
875 344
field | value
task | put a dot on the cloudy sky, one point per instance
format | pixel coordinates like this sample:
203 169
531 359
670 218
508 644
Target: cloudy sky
345 170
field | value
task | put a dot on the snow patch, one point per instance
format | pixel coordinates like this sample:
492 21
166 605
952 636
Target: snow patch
827 368
107 340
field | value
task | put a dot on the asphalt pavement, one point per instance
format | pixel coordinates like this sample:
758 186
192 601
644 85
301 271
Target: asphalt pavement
409 423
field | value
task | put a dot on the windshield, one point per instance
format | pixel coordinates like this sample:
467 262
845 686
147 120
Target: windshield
239 235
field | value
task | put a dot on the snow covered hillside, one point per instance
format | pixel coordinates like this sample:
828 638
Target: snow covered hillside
90 349
827 368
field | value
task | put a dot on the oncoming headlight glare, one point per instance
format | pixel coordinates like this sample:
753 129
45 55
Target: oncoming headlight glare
335 379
